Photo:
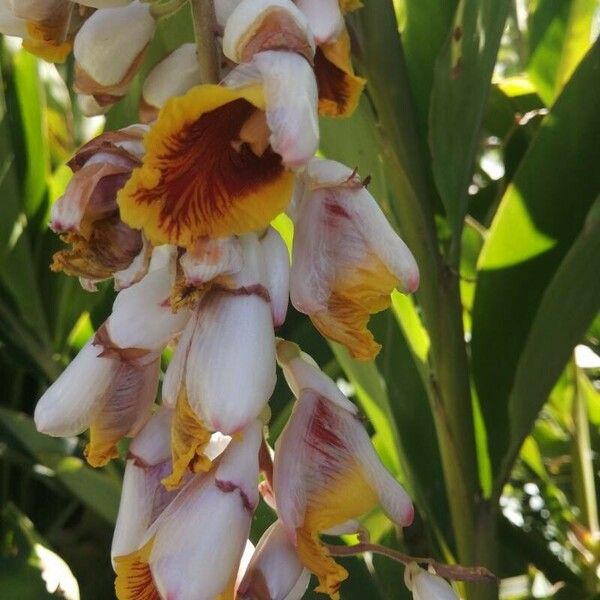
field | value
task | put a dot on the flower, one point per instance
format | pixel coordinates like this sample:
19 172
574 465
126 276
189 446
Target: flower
110 386
9 23
274 571
223 371
109 49
174 75
346 258
326 471
427 586
102 246
47 27
194 548
208 169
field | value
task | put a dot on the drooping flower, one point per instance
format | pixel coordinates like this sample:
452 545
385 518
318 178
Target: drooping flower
427 586
223 371
174 75
326 470
109 49
111 384
274 571
346 259
102 246
193 550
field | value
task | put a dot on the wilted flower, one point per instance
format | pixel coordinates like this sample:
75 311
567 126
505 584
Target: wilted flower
326 470
109 49
427 586
346 259
102 246
194 548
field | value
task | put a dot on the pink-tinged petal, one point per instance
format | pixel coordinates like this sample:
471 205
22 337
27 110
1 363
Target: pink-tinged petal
152 445
324 18
76 398
209 258
128 407
291 102
136 270
274 572
277 266
142 315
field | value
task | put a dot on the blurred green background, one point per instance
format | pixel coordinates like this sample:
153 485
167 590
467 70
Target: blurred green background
480 129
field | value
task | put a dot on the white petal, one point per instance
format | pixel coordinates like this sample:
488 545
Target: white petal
291 102
223 10
275 563
152 445
89 106
174 376
111 39
209 258
136 270
74 400
174 75
164 257
230 372
277 264
301 373
10 24
245 21
427 586
324 17
142 316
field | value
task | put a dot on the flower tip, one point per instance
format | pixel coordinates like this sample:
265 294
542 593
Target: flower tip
412 282
287 351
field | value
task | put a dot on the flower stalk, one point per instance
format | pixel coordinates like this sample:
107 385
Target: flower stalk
203 17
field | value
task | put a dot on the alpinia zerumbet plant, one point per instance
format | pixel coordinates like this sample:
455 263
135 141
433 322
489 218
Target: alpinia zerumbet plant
177 212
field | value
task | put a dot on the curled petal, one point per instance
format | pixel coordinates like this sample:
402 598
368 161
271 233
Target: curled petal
136 270
291 102
347 259
201 175
339 87
274 572
76 398
324 17
277 266
174 75
259 25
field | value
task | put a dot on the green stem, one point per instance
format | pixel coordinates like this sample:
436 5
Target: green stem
203 16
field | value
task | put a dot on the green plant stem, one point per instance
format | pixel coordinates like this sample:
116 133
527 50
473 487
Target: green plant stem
439 294
203 16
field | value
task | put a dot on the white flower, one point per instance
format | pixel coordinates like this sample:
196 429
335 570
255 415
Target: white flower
427 586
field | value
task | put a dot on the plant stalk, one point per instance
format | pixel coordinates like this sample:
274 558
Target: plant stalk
205 27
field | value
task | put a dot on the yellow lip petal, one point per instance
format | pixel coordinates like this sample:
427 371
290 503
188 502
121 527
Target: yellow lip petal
339 87
189 438
199 177
134 578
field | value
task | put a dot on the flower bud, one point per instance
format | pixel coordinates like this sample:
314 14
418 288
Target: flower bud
346 259
274 571
427 586
259 25
109 49
174 75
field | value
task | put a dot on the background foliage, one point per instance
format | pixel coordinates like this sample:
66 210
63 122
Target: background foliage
480 130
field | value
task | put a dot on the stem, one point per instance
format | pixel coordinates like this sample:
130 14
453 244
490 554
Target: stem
203 16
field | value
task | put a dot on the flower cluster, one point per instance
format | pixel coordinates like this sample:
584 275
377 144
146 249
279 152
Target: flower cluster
177 212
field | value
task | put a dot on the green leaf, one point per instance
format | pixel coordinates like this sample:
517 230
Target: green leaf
96 488
555 331
537 222
561 34
462 79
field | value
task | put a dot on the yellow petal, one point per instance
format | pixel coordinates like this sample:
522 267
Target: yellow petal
134 579
189 438
199 177
354 298
347 6
339 87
